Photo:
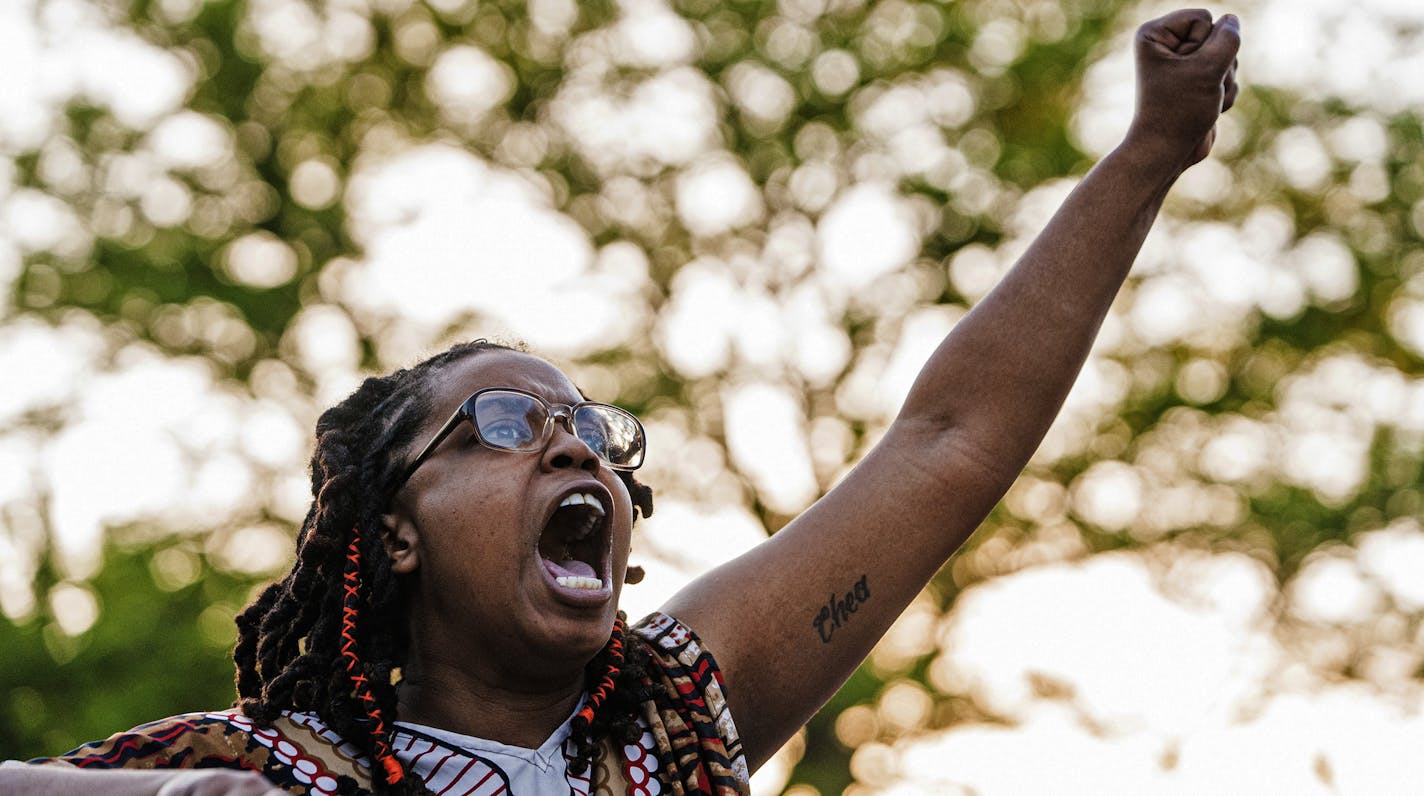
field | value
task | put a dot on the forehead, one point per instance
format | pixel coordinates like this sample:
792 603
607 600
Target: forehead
497 368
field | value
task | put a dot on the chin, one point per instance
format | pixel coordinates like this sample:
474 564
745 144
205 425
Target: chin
591 630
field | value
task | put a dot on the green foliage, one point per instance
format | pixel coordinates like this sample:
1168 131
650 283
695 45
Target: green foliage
163 646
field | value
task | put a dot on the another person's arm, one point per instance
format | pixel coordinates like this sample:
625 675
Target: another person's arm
63 780
790 620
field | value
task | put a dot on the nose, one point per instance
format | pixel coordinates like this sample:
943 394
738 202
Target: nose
565 449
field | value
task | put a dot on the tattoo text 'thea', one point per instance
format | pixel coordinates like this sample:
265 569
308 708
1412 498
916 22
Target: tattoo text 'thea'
837 610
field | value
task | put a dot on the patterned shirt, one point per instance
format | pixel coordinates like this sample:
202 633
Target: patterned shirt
689 743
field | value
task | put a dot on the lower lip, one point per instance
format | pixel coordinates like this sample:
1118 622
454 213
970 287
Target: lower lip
580 598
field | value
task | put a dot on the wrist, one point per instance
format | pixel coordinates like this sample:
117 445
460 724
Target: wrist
1149 160
1158 149
1153 150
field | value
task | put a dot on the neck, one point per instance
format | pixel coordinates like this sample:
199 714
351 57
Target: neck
446 694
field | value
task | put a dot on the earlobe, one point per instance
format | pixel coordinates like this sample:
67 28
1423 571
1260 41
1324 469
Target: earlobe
402 542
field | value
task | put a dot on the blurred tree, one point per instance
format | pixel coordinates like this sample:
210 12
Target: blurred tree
164 609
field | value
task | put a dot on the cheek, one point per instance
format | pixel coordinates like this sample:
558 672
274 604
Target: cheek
622 536
623 512
469 518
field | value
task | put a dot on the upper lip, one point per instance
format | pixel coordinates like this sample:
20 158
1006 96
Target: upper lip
605 501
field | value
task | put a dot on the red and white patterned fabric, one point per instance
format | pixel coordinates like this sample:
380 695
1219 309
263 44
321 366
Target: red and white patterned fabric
689 744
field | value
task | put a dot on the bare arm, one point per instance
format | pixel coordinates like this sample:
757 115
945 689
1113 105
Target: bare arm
791 619
63 780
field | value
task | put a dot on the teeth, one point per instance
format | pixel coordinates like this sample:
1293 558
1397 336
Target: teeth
583 499
579 582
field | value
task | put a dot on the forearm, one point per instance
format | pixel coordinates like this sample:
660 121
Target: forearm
59 780
998 380
20 778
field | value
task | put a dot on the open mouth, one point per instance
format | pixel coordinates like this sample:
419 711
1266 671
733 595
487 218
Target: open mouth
574 542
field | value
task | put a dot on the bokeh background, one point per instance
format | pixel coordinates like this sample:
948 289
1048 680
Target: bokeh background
749 222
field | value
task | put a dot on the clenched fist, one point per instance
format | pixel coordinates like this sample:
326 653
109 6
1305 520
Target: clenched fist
1186 78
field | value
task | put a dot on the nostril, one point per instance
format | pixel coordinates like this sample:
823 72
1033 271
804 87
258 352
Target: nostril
566 450
589 463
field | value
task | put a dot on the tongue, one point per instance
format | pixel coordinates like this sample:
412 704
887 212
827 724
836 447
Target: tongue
571 567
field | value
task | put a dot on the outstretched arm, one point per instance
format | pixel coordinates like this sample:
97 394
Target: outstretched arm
64 780
791 619
997 382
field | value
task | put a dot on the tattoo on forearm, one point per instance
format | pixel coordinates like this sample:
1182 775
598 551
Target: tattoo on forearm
837 610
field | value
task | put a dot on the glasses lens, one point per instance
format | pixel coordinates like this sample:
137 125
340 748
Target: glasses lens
510 420
611 433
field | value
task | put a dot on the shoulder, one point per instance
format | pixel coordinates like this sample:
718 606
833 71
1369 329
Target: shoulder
296 752
680 657
692 705
172 742
674 645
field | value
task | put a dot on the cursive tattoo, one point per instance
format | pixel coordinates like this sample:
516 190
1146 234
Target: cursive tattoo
837 610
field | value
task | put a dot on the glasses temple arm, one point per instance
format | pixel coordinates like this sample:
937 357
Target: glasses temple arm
432 445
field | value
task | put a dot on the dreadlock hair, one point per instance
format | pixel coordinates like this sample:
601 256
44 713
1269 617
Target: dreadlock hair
328 636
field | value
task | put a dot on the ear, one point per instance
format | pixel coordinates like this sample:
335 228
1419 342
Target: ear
402 542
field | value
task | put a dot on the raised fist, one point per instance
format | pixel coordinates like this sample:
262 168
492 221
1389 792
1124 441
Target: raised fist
1186 78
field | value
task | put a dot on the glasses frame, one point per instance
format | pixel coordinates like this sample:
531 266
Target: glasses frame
556 412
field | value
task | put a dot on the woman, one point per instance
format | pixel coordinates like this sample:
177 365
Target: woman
471 524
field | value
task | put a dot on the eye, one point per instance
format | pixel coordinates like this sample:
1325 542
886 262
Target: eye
506 433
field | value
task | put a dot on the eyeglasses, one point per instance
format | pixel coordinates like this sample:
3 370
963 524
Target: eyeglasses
507 419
